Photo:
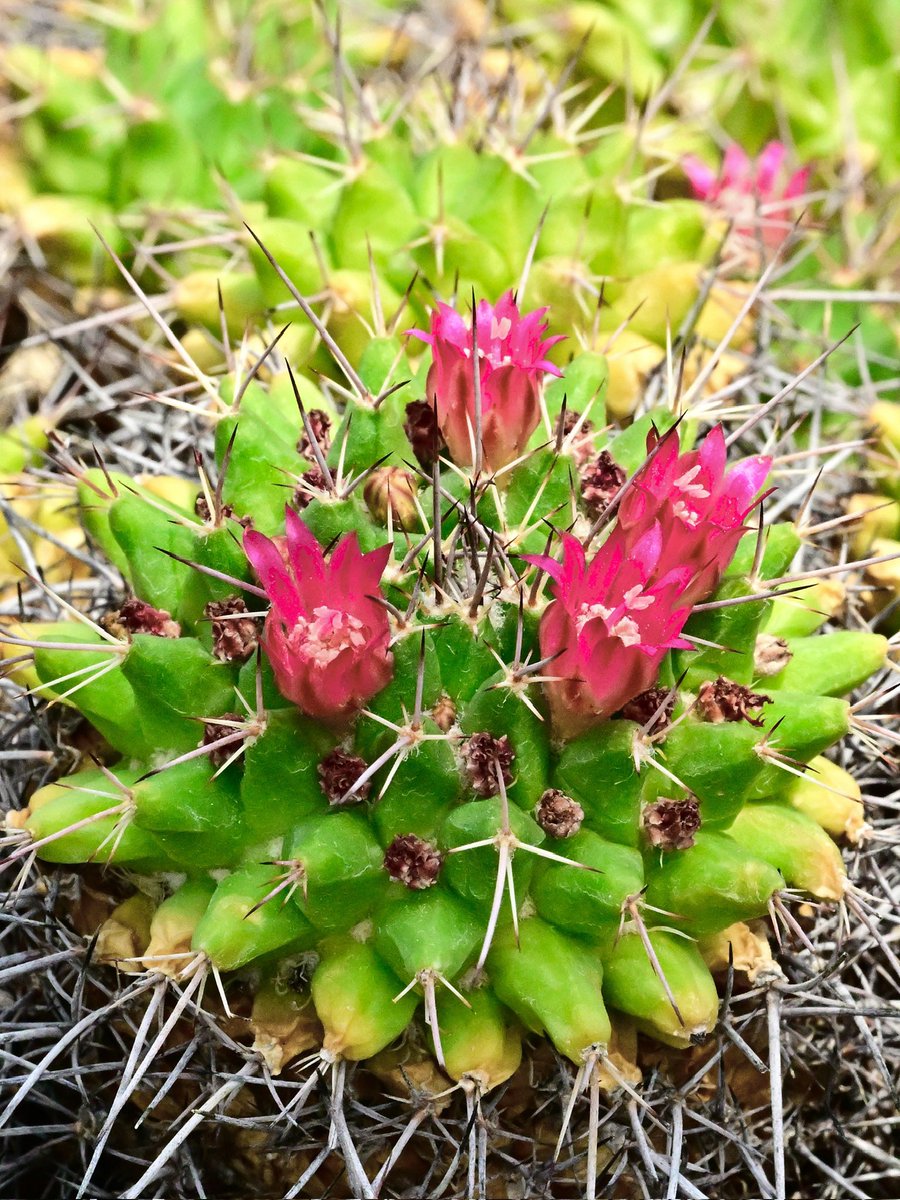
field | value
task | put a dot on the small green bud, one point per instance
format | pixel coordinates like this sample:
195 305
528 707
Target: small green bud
145 533
800 726
196 299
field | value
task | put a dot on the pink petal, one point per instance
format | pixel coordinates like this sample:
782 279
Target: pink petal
420 334
701 177
796 185
713 454
267 562
768 167
735 167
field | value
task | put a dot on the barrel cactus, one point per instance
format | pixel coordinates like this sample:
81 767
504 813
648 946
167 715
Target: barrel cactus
454 715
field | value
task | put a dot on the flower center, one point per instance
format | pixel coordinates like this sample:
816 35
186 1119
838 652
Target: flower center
626 628
327 635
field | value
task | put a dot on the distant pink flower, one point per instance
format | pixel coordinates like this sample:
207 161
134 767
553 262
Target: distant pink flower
512 359
326 638
757 194
699 507
611 622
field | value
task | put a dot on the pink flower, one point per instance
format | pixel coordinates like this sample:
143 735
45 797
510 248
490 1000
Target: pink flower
698 505
512 359
610 624
326 638
757 195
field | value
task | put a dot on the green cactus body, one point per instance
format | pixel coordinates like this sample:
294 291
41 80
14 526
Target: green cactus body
710 885
354 994
833 670
634 985
588 902
795 844
237 927
443 768
553 985
479 1040
598 770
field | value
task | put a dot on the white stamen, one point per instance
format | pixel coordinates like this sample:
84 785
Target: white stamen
688 515
684 484
590 612
627 630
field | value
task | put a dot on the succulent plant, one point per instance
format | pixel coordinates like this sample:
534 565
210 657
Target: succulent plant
505 757
468 699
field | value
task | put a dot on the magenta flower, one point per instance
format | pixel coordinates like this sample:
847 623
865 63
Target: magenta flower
757 194
325 636
610 624
512 360
699 507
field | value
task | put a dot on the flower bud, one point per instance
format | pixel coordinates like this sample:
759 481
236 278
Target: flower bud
757 195
338 772
235 637
137 617
485 756
421 427
722 700
672 824
512 359
395 489
325 636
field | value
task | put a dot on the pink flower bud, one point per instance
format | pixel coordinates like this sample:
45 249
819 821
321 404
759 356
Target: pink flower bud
610 624
756 194
512 359
325 636
699 507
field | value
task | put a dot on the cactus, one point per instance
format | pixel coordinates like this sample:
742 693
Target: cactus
507 728
486 778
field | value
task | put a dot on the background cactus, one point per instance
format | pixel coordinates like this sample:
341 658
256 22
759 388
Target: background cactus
321 881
